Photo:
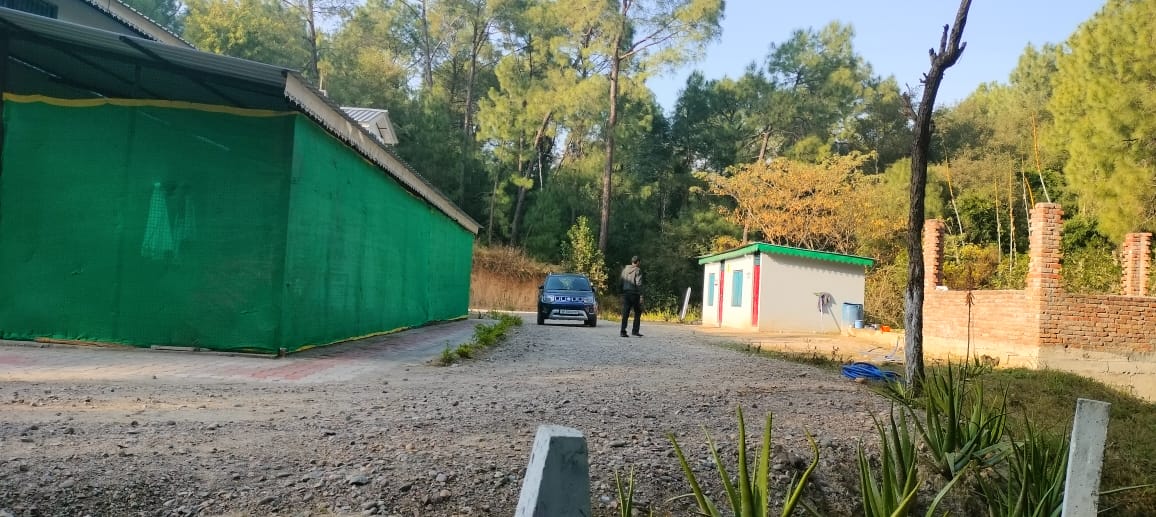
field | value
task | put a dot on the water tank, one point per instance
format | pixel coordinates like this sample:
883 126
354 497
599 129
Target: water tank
852 312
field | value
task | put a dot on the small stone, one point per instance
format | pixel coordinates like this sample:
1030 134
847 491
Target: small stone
68 483
266 500
357 479
441 478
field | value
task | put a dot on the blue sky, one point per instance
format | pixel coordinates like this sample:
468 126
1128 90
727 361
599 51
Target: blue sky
892 35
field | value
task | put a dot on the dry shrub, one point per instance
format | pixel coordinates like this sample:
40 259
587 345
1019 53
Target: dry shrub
496 292
883 299
504 278
510 262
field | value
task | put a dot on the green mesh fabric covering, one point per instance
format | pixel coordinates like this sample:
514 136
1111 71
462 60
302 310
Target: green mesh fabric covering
364 255
243 230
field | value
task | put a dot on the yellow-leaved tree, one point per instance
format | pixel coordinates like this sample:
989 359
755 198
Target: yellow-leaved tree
792 203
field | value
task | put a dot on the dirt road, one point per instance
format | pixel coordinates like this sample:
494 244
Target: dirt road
370 428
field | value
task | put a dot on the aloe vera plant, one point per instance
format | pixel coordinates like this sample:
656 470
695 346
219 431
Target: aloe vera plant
960 427
894 492
1032 484
626 495
748 497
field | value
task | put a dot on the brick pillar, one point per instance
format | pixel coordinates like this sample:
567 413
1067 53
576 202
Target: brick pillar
933 230
1044 256
1045 289
1136 260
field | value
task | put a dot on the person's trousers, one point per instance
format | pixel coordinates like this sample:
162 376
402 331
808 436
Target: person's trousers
631 301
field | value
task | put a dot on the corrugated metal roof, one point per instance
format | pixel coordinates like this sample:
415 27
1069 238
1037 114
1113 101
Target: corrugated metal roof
776 249
363 115
377 121
39 28
103 63
137 20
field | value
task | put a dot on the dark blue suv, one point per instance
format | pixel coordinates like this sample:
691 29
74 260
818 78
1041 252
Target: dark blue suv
567 296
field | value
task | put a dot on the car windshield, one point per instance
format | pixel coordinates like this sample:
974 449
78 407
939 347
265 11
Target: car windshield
567 283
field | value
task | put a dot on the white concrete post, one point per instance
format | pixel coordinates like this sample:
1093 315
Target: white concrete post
685 303
557 482
1085 458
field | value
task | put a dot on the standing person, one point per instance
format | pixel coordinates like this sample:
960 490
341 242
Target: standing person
632 295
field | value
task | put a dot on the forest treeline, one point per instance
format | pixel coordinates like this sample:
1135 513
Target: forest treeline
533 113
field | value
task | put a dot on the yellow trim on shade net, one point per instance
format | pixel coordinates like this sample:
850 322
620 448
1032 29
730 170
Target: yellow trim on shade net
302 348
151 103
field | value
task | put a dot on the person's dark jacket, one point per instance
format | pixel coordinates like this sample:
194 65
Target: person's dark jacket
632 279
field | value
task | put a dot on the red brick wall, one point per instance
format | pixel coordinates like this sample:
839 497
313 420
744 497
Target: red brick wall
1121 324
1043 314
996 317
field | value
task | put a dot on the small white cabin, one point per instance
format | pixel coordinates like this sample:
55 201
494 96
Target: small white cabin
768 287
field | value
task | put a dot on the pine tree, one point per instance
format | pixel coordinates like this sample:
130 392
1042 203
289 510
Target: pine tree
580 254
1105 115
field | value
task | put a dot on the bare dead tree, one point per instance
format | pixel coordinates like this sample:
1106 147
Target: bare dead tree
950 48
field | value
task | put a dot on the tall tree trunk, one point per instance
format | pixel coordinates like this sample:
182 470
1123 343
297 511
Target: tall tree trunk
477 40
427 50
523 173
950 49
521 191
1011 216
611 123
951 194
314 53
763 147
1036 153
493 202
539 152
998 227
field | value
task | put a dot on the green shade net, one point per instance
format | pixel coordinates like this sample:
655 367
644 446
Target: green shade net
363 255
160 224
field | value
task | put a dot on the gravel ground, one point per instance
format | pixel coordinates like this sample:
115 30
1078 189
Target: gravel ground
423 440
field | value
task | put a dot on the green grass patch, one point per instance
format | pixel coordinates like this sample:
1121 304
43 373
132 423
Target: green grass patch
1047 399
486 335
610 309
1039 406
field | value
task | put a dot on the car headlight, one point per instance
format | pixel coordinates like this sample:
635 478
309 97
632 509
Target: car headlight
589 300
547 298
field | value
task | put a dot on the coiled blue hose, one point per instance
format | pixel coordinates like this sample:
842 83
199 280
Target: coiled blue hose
868 371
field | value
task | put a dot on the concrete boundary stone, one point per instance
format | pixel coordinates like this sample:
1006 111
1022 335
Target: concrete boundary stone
557 482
